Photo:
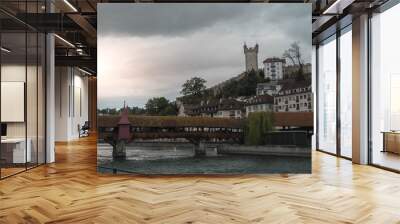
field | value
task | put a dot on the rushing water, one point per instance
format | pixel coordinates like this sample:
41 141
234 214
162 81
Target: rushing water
180 159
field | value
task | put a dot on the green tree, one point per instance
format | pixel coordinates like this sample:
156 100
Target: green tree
194 86
248 85
160 106
135 110
261 73
258 124
156 104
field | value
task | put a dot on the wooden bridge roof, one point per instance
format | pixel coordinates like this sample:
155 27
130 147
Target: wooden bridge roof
172 121
297 119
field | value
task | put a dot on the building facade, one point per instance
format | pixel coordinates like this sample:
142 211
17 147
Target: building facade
270 88
294 97
273 68
222 108
260 103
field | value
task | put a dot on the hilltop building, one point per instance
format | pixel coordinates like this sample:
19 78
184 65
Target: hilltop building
251 57
273 68
270 88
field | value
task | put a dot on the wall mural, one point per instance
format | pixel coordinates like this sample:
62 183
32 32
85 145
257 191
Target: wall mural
204 88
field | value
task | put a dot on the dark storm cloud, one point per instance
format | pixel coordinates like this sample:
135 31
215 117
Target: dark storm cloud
177 19
121 20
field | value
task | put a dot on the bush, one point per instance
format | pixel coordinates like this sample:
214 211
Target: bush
258 124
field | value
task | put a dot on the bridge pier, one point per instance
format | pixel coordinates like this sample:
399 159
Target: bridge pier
220 148
119 150
199 149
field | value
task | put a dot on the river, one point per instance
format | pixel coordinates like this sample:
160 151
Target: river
180 159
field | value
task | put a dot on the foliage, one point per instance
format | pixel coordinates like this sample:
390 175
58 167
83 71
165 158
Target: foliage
261 73
154 106
136 110
194 86
295 57
243 87
160 106
114 111
258 124
108 111
300 77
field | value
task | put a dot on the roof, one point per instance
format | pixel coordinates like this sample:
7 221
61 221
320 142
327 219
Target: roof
171 121
230 104
214 105
274 59
188 108
297 119
294 85
124 117
261 99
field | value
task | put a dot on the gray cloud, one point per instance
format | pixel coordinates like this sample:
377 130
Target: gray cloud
151 49
174 19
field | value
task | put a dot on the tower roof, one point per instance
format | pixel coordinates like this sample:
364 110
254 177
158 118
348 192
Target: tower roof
124 117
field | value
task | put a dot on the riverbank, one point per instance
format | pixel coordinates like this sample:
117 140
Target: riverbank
223 148
265 150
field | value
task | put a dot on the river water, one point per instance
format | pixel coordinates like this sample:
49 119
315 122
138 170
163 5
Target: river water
180 159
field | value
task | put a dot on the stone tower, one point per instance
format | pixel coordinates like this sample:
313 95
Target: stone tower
251 56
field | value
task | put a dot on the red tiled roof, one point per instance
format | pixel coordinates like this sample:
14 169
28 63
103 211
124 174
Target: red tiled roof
297 119
262 99
293 85
269 60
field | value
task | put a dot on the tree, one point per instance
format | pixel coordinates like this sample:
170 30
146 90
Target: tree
246 86
194 86
295 57
261 73
258 124
135 110
160 106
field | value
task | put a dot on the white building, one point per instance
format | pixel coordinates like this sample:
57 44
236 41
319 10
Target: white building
184 110
294 97
273 68
260 103
270 88
223 108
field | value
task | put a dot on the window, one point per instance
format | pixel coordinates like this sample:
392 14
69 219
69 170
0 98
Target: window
346 93
385 88
22 73
327 95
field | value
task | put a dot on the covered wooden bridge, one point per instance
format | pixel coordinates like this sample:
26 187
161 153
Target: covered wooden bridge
120 130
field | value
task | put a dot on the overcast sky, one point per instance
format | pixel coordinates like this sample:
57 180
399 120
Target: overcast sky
150 50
